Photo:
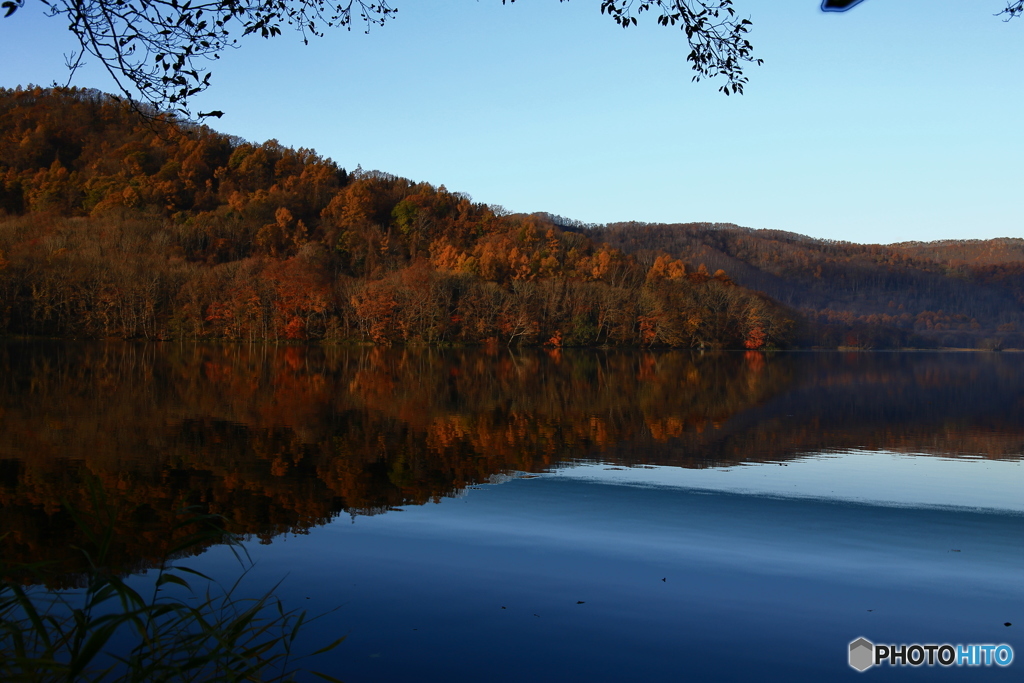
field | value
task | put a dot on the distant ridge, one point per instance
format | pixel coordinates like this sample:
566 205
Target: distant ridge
954 293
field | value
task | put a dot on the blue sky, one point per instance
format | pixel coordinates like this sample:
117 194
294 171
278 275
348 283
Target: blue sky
894 121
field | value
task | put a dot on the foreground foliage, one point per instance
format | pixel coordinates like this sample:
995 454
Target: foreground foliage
106 630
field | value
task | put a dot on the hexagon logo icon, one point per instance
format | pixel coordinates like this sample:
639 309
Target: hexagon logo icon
862 654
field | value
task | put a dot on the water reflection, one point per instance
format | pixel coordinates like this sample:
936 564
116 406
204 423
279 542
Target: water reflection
285 438
557 578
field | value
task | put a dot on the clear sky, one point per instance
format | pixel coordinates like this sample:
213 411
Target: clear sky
894 121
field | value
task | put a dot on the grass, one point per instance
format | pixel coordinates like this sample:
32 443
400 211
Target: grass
187 627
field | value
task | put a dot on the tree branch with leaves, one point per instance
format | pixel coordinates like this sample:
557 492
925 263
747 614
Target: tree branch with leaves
717 36
158 51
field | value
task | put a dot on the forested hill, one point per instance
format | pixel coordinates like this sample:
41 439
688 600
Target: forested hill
966 293
112 225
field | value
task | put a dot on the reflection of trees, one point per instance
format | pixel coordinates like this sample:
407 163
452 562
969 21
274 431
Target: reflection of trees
935 404
284 438
280 439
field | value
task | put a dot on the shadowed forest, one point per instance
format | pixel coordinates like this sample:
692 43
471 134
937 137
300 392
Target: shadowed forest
281 439
962 294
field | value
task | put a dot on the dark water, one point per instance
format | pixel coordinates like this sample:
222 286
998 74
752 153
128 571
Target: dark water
564 516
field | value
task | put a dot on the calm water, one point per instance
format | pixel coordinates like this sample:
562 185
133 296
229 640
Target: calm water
573 516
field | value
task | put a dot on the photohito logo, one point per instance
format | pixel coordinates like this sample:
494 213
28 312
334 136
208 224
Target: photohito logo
864 654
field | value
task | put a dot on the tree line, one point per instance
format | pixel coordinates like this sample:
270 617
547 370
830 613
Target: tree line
112 225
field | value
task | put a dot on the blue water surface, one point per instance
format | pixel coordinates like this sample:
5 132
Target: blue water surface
595 573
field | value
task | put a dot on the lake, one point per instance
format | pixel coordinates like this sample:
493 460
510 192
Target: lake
569 515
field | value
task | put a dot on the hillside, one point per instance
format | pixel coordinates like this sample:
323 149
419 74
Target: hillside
116 226
967 293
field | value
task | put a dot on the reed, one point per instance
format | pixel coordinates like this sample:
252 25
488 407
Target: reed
185 627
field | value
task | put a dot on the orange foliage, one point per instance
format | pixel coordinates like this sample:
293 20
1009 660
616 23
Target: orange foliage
115 228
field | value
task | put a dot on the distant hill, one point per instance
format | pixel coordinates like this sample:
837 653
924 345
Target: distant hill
967 293
999 251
